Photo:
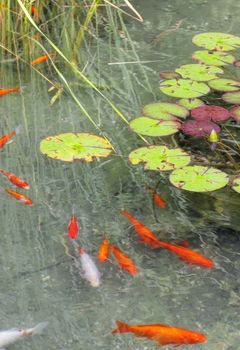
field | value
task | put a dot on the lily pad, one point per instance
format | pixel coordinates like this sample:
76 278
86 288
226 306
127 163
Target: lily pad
198 178
72 146
215 113
199 72
152 127
222 84
184 88
198 128
235 113
232 97
213 58
190 103
164 110
236 184
159 158
167 74
217 41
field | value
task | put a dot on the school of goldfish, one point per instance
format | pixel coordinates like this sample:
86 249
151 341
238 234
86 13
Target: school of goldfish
161 333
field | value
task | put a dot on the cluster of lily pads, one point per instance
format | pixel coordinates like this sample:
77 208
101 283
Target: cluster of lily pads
189 115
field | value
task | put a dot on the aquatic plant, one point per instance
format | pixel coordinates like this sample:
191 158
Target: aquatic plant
199 119
75 146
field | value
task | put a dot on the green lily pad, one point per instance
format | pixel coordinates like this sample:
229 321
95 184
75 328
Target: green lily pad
236 184
152 127
164 110
198 178
159 158
213 58
199 72
217 41
222 84
70 146
184 88
232 97
190 103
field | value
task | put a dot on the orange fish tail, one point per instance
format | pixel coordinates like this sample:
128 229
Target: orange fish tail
127 214
121 328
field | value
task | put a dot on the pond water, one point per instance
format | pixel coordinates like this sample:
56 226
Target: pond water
39 279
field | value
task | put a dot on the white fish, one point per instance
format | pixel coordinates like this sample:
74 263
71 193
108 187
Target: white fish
10 336
90 270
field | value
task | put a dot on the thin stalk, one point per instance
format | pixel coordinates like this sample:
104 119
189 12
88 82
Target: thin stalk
75 70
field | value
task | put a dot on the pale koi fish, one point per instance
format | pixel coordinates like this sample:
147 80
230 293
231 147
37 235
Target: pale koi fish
12 335
90 270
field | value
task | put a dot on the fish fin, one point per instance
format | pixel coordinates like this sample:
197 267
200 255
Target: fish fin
39 328
18 129
121 327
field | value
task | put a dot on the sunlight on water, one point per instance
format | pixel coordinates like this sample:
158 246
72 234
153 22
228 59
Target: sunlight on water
39 278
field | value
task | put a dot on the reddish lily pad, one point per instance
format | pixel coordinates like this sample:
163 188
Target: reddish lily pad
222 84
215 113
199 72
232 97
165 111
217 41
184 88
190 103
235 113
213 58
198 128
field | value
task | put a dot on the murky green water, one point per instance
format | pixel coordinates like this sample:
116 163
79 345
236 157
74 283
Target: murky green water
39 281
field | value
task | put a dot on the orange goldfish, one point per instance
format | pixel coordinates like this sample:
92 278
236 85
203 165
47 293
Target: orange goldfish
8 91
162 333
124 261
187 255
35 13
19 196
158 200
73 227
147 236
103 251
5 138
40 59
15 180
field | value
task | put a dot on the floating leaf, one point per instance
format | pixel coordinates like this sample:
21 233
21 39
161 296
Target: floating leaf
164 110
159 158
215 113
184 88
198 128
232 97
152 127
167 74
217 41
213 58
199 72
70 146
190 103
198 178
236 184
224 84
235 113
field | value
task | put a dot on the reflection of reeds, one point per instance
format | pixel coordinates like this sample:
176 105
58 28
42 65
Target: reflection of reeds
67 30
